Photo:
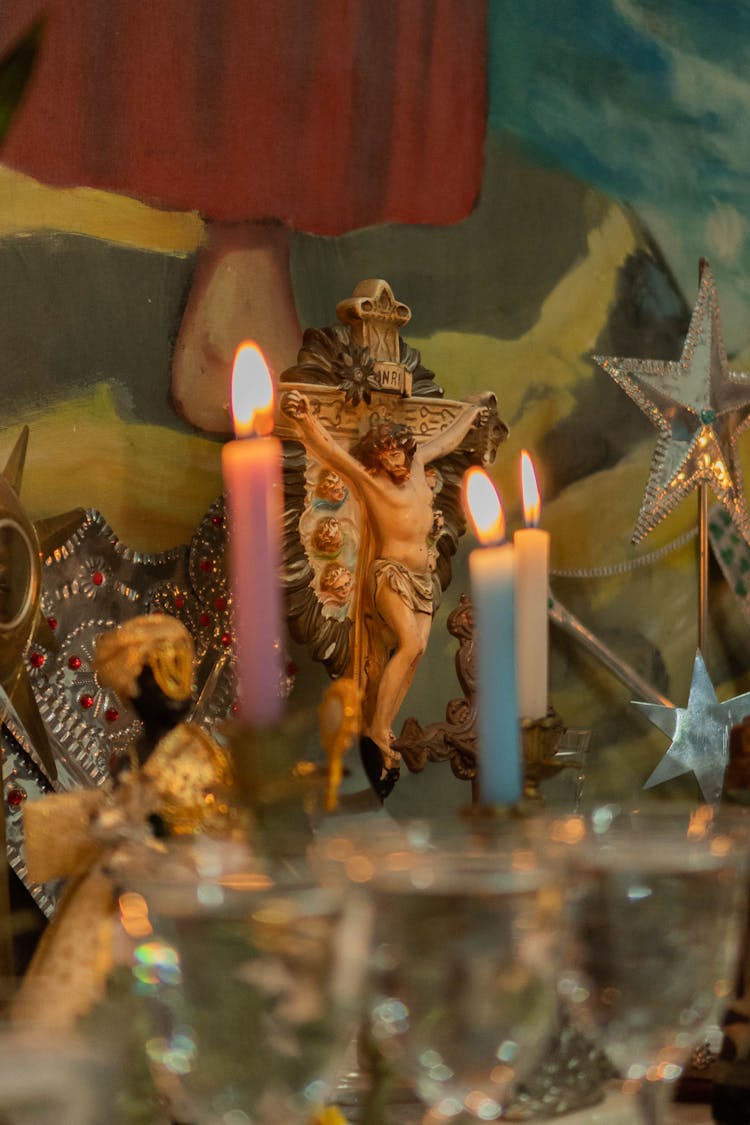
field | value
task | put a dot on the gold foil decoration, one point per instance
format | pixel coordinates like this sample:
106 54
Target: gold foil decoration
71 964
68 972
328 1115
57 833
191 777
155 639
89 833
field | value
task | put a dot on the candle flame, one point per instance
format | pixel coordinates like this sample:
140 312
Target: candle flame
532 501
483 507
252 392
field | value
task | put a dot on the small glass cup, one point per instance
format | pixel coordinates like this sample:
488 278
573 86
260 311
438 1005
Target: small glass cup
252 973
564 789
469 935
48 1079
657 919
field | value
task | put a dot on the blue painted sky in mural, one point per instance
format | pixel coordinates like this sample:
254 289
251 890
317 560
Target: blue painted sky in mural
649 101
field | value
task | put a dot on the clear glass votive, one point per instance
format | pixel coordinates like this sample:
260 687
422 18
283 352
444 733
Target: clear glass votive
251 972
659 907
52 1079
469 938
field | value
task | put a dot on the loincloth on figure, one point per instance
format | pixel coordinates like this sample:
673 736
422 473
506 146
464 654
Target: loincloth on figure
415 590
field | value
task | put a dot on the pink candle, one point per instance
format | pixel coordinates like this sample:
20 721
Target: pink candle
251 467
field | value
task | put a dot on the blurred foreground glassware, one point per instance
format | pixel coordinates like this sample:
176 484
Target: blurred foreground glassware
554 763
49 1080
469 935
657 916
564 789
254 973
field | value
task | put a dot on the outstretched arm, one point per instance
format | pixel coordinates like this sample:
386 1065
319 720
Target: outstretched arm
317 439
450 438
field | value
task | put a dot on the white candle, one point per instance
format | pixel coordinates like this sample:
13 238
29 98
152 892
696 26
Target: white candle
492 572
532 597
251 467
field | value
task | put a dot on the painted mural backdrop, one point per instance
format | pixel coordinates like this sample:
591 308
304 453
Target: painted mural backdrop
557 212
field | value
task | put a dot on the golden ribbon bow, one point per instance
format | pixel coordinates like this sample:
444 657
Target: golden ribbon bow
88 834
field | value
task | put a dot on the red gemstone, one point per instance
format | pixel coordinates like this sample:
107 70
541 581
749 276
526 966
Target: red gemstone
220 603
111 715
74 662
205 619
291 669
226 638
217 521
178 602
52 622
86 701
235 708
205 565
37 659
16 797
97 578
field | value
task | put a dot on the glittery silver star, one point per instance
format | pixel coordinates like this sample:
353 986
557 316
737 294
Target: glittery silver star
700 409
699 733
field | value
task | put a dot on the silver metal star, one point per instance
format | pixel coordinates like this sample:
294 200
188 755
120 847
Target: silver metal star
699 733
700 409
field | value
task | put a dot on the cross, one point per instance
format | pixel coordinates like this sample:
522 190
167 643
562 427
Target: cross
375 317
350 521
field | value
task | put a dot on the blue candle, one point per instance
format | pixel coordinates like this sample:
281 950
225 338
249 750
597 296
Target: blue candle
492 572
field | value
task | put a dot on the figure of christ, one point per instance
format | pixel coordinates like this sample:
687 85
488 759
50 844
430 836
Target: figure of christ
386 469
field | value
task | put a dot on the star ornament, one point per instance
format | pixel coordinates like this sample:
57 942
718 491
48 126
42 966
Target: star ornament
699 734
700 409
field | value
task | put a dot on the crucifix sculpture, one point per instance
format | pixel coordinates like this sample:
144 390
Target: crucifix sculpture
374 457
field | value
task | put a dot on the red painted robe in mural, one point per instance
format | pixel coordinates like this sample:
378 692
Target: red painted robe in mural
326 114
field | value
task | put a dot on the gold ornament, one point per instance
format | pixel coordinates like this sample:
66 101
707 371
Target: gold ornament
88 836
155 639
339 716
328 1115
191 776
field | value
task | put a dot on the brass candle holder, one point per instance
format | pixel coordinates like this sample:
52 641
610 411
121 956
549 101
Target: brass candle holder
281 793
455 739
539 741
274 789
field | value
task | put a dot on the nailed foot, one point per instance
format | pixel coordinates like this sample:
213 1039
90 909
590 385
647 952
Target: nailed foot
381 772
